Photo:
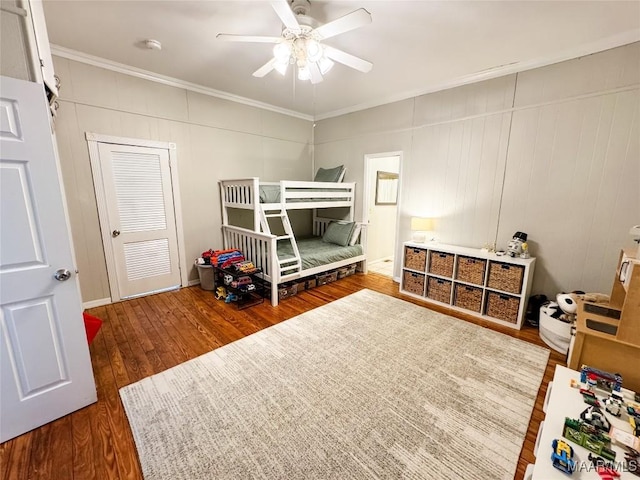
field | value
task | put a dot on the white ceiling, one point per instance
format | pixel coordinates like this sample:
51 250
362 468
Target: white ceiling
415 46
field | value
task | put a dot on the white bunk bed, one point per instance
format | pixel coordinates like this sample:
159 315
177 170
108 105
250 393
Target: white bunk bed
261 246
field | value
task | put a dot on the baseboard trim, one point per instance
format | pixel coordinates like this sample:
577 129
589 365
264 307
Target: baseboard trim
193 282
96 303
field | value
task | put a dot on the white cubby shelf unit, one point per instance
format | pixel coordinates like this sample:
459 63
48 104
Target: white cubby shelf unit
489 286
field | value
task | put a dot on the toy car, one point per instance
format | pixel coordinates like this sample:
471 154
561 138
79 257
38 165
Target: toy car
244 280
562 456
614 404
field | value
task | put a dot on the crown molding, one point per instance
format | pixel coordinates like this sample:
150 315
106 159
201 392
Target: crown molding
624 38
100 62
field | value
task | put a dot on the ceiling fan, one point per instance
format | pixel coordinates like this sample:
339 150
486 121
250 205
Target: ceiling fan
300 42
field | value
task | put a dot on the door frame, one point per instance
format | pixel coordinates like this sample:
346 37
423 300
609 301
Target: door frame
366 192
93 139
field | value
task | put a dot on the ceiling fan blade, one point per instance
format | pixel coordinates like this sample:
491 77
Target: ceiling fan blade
314 70
344 24
228 37
266 68
347 59
285 13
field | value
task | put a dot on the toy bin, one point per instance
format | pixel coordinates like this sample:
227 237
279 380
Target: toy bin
207 280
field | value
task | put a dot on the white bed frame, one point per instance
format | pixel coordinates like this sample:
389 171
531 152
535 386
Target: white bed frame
260 245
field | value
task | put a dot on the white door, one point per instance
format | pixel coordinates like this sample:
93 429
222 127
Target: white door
45 368
141 219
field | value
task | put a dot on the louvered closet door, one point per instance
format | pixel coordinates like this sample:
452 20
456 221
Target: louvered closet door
139 200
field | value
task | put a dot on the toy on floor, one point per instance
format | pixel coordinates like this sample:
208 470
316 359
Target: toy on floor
221 293
231 297
562 456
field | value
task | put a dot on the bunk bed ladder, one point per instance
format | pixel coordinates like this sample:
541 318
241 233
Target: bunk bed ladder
288 265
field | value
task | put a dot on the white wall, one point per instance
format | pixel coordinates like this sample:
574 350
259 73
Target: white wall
216 139
554 152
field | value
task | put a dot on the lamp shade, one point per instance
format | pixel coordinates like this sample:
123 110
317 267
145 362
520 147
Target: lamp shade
421 224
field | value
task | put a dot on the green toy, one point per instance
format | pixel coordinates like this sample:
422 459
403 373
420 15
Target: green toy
589 437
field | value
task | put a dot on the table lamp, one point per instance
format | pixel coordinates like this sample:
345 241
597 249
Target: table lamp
420 226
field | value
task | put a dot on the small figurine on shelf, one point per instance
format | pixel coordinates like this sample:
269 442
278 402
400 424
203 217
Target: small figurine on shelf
525 250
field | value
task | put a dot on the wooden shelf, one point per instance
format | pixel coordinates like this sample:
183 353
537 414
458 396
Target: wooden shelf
606 342
414 281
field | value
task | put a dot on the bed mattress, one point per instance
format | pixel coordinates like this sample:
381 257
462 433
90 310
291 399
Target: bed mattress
314 252
271 194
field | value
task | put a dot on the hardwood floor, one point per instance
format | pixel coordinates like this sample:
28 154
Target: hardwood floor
145 336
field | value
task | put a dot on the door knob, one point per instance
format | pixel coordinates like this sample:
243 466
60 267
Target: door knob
62 274
115 233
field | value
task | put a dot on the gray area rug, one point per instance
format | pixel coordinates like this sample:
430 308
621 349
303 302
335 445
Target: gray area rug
368 386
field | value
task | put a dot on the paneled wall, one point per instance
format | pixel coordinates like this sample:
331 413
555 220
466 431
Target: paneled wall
216 139
14 49
554 152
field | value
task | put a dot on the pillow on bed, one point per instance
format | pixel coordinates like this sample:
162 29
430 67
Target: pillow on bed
339 233
269 193
329 174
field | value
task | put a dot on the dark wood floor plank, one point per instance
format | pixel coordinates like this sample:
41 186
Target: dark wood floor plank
147 335
174 339
157 336
83 455
188 332
104 446
61 449
135 326
16 457
180 301
107 333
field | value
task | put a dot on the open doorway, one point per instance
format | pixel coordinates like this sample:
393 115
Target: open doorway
380 209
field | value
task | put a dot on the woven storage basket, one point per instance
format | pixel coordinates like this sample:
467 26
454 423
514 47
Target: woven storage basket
471 270
415 258
503 307
413 282
438 289
469 298
505 277
324 278
441 263
346 271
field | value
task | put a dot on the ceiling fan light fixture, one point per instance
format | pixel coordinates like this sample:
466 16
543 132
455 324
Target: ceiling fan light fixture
281 67
325 65
313 50
282 51
304 73
300 42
